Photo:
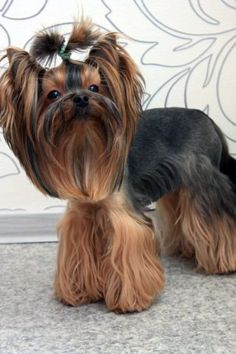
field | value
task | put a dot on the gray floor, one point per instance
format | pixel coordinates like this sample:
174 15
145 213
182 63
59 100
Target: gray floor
195 314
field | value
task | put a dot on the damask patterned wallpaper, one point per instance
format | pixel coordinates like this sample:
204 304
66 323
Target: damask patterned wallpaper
185 49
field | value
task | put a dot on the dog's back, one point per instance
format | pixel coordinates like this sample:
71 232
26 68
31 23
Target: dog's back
167 140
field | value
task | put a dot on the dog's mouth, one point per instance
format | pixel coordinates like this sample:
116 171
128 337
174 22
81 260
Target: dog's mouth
81 114
77 109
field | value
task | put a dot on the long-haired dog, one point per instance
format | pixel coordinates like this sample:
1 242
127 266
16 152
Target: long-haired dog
79 132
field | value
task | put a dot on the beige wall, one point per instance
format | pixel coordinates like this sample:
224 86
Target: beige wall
186 50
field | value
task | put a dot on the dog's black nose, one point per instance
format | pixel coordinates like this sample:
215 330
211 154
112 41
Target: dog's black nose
81 100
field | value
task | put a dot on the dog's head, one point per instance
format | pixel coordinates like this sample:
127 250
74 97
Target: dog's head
71 126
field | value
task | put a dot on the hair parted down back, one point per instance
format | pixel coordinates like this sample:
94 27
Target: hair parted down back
48 43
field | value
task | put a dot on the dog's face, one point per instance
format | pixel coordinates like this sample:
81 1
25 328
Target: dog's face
71 126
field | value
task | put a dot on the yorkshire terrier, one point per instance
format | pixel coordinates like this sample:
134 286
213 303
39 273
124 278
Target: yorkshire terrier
79 131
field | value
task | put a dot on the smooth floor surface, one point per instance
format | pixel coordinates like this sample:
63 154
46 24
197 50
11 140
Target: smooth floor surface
195 314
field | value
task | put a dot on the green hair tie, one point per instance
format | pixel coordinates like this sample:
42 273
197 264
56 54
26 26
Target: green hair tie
65 55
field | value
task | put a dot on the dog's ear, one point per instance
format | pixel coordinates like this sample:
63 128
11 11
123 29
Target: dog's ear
19 94
7 91
11 51
19 91
120 77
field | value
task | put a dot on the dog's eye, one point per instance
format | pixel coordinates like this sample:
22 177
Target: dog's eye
54 95
93 88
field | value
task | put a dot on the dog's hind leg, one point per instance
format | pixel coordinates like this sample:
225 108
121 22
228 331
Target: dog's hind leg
205 216
172 240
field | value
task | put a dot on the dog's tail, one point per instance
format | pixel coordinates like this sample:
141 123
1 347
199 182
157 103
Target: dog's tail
228 167
227 163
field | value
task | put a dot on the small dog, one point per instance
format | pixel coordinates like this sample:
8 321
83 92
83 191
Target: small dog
80 134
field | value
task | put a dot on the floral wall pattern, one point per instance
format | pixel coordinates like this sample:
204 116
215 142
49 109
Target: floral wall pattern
185 49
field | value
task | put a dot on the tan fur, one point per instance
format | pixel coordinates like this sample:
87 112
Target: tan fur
93 167
83 35
131 270
212 242
172 239
107 252
81 238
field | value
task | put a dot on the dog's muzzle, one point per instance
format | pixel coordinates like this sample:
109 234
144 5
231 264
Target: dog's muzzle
81 105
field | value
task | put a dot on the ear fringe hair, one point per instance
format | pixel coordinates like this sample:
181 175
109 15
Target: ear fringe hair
49 43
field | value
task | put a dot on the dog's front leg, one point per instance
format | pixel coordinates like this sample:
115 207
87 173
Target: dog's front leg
77 279
131 272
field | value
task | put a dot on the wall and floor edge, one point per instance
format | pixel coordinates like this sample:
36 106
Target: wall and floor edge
28 228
